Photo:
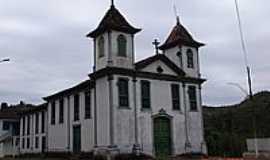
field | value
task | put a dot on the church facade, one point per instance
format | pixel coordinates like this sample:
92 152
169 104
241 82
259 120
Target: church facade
152 106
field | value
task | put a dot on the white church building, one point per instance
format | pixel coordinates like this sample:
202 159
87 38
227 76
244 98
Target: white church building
153 106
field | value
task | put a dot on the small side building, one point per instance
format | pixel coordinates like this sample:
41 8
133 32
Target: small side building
10 128
33 130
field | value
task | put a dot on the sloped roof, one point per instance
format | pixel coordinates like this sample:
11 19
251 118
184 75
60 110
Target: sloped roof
113 20
87 84
13 112
179 35
141 64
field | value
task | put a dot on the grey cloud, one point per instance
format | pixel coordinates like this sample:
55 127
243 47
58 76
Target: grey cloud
49 51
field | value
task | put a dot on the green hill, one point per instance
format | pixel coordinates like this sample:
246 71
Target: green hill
228 127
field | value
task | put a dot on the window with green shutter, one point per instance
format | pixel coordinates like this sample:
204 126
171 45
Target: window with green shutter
190 59
61 111
145 94
192 98
53 113
175 96
123 92
101 47
87 101
76 107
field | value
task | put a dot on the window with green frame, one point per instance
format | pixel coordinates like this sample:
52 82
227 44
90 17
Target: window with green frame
123 92
122 46
192 98
190 59
101 47
145 94
175 96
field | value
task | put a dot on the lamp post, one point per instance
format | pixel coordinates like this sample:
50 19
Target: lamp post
5 60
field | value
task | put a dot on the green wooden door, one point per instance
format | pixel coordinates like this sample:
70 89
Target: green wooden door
162 137
76 139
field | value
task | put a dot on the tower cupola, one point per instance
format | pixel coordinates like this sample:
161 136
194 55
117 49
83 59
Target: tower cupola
181 48
113 41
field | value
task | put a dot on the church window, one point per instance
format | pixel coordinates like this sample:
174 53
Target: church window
23 126
101 47
28 125
175 96
42 122
28 143
53 113
122 46
23 143
123 92
61 111
145 95
76 107
190 59
87 100
37 142
37 123
179 54
192 98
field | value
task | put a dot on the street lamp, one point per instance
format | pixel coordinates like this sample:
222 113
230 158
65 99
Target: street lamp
5 60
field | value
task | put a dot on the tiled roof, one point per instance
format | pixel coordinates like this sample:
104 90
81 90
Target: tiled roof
179 35
113 20
12 112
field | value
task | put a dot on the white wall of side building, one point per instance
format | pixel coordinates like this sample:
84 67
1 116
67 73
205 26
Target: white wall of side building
35 136
60 135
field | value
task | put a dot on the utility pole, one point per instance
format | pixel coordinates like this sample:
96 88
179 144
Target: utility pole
249 81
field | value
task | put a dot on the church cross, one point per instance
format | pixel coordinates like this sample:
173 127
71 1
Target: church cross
156 43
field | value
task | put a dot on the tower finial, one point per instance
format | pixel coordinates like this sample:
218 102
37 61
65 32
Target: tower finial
176 15
112 3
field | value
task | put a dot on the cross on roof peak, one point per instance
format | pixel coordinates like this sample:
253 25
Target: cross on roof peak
156 43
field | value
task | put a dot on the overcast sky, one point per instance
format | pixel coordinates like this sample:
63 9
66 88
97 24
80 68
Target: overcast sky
46 43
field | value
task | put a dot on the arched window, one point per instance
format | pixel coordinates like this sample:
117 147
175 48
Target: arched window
122 46
101 47
179 54
190 59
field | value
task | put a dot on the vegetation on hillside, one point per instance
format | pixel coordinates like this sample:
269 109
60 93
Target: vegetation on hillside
228 127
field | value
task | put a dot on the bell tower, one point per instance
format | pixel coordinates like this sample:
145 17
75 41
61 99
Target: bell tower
182 49
113 41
